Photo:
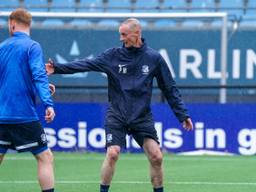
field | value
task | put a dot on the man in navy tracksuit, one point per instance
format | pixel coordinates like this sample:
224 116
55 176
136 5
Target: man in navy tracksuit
130 70
22 75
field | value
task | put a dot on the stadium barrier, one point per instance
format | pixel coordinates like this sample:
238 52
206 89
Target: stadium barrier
220 129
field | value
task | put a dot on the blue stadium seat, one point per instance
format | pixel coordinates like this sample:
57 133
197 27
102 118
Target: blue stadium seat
248 24
248 21
63 6
146 10
251 4
91 6
237 4
147 3
52 23
143 23
3 23
174 6
108 23
9 5
81 23
218 23
192 23
119 6
39 5
202 5
233 3
147 6
165 23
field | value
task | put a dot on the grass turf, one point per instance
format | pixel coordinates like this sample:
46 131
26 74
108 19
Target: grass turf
80 172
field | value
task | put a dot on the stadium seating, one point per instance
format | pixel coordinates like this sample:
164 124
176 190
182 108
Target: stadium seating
53 23
203 6
144 23
40 5
193 23
239 9
81 23
108 23
130 5
60 6
249 8
119 6
248 22
91 6
8 5
146 3
165 23
235 3
173 6
3 22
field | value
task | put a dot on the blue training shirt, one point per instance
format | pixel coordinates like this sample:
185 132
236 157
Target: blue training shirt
22 75
130 73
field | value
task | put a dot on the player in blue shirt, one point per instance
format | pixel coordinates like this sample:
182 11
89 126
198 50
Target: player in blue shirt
131 70
22 75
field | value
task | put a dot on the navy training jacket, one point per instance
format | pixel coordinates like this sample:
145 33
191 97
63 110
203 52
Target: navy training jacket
22 75
130 73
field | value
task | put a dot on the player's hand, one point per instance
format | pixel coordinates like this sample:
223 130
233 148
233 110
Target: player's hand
187 124
49 114
49 67
52 88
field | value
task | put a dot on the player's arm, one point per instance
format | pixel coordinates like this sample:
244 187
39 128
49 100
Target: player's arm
40 80
168 86
100 64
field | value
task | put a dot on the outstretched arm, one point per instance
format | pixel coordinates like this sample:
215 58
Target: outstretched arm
49 67
100 64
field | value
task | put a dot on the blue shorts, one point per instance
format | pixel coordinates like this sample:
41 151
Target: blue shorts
23 137
117 129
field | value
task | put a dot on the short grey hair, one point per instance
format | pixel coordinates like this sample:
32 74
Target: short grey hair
133 23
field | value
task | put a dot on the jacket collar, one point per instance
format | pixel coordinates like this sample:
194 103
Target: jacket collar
19 34
134 50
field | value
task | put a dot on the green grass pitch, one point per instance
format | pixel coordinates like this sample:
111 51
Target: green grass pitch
80 172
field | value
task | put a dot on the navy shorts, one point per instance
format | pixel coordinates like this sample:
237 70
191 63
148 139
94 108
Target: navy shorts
23 137
117 129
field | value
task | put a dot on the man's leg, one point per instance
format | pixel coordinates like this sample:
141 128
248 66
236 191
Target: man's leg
1 157
155 157
45 170
108 167
4 140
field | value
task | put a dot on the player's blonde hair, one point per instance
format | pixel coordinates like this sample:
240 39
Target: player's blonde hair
21 16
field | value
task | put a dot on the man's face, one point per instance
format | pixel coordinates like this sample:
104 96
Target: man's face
128 37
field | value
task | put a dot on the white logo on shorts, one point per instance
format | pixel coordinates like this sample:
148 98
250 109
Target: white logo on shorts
109 138
43 138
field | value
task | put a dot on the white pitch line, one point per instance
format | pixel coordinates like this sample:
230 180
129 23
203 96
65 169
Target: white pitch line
135 182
